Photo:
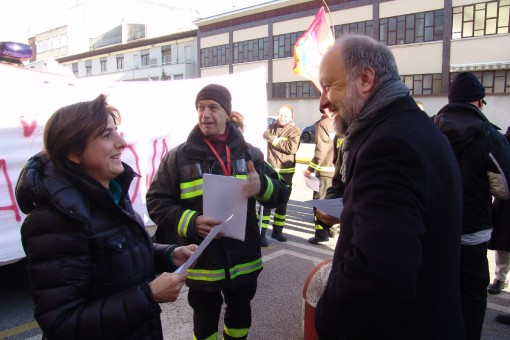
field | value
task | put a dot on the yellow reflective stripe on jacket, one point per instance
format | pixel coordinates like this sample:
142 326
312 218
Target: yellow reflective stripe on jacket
339 142
246 268
191 189
182 226
266 195
242 176
286 170
277 140
326 169
219 274
206 275
236 332
314 166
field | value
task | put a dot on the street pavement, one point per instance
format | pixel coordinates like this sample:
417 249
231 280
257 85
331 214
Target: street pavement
278 305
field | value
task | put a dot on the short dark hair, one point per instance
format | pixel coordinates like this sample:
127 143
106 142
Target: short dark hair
69 128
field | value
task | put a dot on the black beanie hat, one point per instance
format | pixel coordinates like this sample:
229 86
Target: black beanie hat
218 93
466 88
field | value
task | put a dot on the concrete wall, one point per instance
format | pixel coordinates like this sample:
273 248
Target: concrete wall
401 7
424 58
485 49
251 33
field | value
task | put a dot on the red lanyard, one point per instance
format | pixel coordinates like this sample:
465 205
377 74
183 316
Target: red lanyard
226 169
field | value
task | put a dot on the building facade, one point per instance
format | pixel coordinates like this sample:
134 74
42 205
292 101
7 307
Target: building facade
432 41
169 57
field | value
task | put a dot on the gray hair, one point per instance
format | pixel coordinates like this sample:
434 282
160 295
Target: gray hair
361 51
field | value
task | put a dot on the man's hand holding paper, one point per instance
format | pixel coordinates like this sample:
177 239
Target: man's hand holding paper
204 225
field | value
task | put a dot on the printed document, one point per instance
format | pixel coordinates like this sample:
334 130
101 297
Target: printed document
223 197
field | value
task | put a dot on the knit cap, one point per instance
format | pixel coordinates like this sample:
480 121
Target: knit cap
466 88
218 93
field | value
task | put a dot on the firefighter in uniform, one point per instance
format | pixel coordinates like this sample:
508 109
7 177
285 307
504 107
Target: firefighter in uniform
228 268
283 139
323 165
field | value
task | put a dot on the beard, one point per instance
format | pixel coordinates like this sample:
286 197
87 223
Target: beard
348 110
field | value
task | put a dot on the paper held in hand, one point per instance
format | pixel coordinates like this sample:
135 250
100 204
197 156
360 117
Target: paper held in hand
222 198
312 182
212 234
332 206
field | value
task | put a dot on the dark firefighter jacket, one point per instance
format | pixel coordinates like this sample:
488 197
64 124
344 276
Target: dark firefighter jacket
174 201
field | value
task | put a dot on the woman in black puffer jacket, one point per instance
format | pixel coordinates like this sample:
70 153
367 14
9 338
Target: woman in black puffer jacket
92 265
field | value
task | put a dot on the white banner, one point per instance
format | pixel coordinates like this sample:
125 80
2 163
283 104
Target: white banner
156 117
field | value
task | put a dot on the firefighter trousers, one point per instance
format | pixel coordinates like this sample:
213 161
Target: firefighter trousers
280 212
207 308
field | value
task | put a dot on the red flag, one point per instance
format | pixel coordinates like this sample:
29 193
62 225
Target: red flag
311 46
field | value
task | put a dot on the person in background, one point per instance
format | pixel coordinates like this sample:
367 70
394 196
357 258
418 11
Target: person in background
500 242
228 268
91 263
283 138
483 156
395 272
323 165
237 119
502 259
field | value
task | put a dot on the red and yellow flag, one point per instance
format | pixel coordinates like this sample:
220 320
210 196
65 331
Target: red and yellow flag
311 46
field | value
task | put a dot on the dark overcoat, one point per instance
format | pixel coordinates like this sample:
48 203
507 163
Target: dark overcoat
395 271
500 239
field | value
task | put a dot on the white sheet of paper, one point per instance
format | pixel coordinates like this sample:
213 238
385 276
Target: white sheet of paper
200 249
312 182
332 206
222 198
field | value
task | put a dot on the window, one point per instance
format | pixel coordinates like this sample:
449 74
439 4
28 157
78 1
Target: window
412 28
363 27
486 18
144 58
187 54
497 81
251 50
75 69
423 83
135 31
120 63
103 65
283 45
166 55
88 67
297 89
112 37
214 56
